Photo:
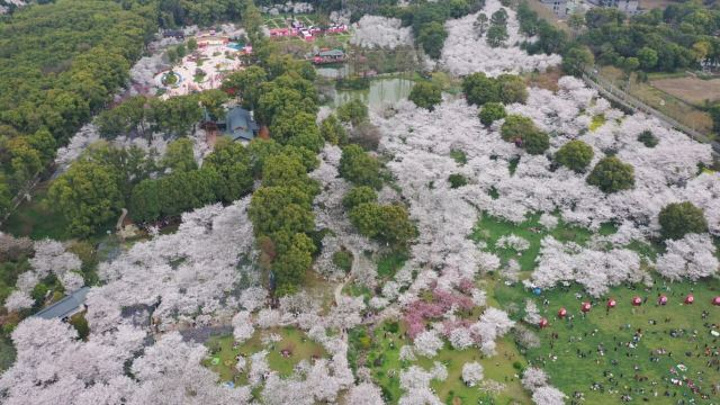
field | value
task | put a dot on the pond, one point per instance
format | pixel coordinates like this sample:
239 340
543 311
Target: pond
382 91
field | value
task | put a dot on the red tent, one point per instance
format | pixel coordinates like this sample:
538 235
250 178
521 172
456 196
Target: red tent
637 301
689 299
585 307
663 299
562 313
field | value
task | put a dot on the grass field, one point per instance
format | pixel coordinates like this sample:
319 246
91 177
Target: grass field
380 351
628 350
489 229
293 340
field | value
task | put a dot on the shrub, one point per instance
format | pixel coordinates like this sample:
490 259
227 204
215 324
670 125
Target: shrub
353 112
343 260
516 127
611 175
359 195
648 139
575 155
359 168
536 143
678 219
492 112
426 95
457 180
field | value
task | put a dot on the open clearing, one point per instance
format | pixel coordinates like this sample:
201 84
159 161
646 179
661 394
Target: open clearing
690 89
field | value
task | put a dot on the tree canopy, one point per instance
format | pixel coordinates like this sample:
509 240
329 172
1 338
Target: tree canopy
610 175
679 219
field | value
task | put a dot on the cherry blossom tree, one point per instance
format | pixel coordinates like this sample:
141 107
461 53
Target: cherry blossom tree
472 373
365 394
242 324
691 257
380 32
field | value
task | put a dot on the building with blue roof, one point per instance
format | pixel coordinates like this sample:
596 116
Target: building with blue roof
238 124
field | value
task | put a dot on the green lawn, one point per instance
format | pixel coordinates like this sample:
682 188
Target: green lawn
489 229
680 330
381 354
300 346
36 218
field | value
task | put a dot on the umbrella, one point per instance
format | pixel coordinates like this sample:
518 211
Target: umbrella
543 323
585 307
689 299
637 301
663 299
611 303
562 313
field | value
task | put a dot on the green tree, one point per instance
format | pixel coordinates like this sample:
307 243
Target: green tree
480 89
512 89
176 115
426 95
246 84
480 24
577 59
497 35
25 161
298 129
87 195
432 38
288 171
44 143
457 180
536 142
358 167
332 130
127 118
516 127
678 219
192 45
5 195
575 155
290 266
213 102
359 195
648 139
354 111
610 175
647 57
259 150
279 99
231 161
179 156
269 205
387 223
491 112
715 114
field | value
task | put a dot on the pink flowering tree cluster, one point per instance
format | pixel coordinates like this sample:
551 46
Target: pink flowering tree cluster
421 311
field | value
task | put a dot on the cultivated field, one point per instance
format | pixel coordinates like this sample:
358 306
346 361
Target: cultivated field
690 89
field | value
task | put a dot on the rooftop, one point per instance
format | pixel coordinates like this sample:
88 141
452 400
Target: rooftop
66 306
